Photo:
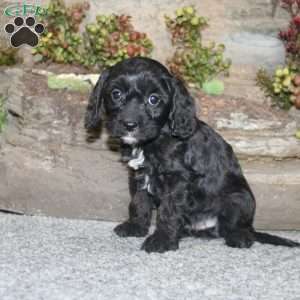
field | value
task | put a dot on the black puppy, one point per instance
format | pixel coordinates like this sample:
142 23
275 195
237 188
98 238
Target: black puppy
179 164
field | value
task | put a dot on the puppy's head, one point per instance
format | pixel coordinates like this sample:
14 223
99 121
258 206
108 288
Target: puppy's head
138 98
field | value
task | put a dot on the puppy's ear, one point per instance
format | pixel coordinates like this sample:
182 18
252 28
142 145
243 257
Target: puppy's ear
95 106
182 118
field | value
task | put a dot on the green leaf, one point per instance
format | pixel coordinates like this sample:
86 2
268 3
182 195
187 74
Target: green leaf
214 87
37 57
72 84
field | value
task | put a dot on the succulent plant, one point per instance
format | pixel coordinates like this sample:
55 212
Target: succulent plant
291 35
61 41
193 61
108 40
113 38
283 87
8 56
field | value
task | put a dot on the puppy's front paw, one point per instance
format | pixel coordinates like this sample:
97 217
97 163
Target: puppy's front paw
159 242
127 229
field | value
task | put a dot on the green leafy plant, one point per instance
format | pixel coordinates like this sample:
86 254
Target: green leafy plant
8 56
2 113
62 41
193 61
112 38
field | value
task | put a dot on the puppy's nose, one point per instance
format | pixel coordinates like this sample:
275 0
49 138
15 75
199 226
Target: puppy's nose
130 126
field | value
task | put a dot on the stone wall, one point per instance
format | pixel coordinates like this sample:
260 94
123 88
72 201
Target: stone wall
48 168
225 17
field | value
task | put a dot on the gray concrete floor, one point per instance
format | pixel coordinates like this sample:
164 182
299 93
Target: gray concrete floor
59 259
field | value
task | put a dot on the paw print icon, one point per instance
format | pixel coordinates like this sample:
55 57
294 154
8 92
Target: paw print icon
24 32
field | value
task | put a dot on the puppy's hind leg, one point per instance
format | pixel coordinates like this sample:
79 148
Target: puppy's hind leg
236 218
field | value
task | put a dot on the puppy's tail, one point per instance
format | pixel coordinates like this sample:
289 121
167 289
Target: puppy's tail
266 238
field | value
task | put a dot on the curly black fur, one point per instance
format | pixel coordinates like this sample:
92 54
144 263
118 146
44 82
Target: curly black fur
180 165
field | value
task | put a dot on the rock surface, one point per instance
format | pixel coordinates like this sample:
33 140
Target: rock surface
260 138
276 186
48 168
256 49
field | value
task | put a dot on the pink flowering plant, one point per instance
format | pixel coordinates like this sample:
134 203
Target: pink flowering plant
291 36
283 87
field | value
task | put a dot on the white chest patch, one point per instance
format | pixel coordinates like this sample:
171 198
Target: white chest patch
149 189
205 223
128 139
138 159
147 185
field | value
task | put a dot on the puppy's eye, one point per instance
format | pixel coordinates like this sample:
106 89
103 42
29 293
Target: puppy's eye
153 100
116 94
